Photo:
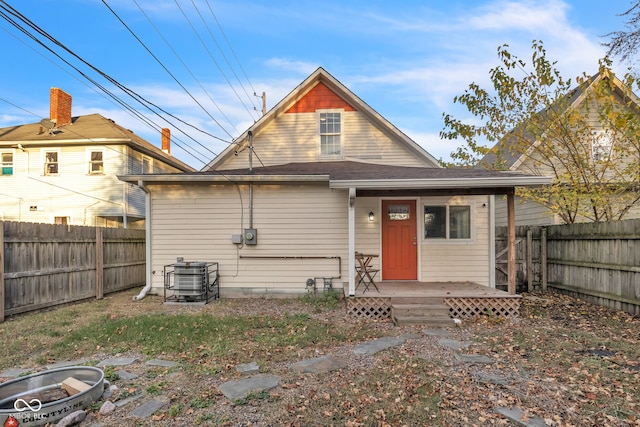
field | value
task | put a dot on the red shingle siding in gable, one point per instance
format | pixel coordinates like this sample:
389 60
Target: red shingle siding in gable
320 97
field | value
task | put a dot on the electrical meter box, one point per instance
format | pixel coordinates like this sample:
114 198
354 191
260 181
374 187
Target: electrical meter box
250 236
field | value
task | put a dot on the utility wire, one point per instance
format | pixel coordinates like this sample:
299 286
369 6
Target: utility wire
251 100
143 101
165 68
112 98
230 47
185 66
212 58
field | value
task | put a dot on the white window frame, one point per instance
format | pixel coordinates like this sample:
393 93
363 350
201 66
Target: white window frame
447 235
44 161
601 145
319 114
91 162
144 159
4 164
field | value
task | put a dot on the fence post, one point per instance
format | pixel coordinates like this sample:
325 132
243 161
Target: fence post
1 271
543 257
99 265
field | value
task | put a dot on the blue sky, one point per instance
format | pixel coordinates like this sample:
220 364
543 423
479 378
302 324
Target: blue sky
406 59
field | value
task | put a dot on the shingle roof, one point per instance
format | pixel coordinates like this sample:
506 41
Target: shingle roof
349 170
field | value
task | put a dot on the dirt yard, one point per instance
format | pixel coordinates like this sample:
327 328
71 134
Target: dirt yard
567 362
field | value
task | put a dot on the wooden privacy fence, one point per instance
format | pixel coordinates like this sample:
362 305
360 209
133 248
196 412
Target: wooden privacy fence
43 265
597 262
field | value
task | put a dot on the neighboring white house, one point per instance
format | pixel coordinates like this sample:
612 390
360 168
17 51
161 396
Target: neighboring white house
64 169
319 177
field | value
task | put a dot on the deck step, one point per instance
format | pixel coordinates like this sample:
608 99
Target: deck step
432 314
435 322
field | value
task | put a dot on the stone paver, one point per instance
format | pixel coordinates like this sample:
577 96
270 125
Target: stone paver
516 415
117 361
124 375
372 347
454 344
67 363
248 368
318 365
437 332
487 378
161 362
474 358
13 373
127 400
148 408
238 389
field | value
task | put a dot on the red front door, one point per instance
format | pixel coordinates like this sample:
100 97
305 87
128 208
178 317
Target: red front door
399 240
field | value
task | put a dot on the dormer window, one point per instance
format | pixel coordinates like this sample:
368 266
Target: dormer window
330 131
601 145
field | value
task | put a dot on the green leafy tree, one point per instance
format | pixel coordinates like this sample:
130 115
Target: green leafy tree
585 134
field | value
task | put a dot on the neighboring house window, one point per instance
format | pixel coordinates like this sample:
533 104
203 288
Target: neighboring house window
330 129
96 162
51 162
447 222
601 145
61 220
6 163
147 165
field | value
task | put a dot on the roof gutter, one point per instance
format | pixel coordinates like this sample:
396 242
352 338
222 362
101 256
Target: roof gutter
452 183
180 178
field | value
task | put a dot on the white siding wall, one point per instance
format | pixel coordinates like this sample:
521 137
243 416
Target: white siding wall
451 260
294 138
197 222
73 192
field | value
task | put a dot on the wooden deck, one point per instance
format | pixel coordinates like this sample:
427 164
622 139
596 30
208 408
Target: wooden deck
464 299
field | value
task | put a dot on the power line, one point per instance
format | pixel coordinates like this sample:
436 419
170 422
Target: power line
143 101
212 58
165 68
222 53
230 47
185 66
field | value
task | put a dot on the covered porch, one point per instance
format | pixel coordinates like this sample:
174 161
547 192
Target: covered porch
462 299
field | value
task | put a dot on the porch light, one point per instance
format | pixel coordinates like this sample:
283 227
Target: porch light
371 217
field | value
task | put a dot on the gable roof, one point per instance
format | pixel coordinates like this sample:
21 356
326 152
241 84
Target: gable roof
513 159
320 80
85 130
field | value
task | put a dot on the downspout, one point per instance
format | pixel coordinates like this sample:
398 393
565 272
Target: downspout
147 214
250 183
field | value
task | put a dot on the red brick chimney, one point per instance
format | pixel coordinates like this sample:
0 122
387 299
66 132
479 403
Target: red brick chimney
60 107
166 140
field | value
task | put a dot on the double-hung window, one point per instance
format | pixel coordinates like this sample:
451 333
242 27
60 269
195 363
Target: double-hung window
6 163
330 131
601 145
450 222
96 162
51 165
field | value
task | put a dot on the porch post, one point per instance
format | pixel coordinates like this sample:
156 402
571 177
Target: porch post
511 243
351 207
